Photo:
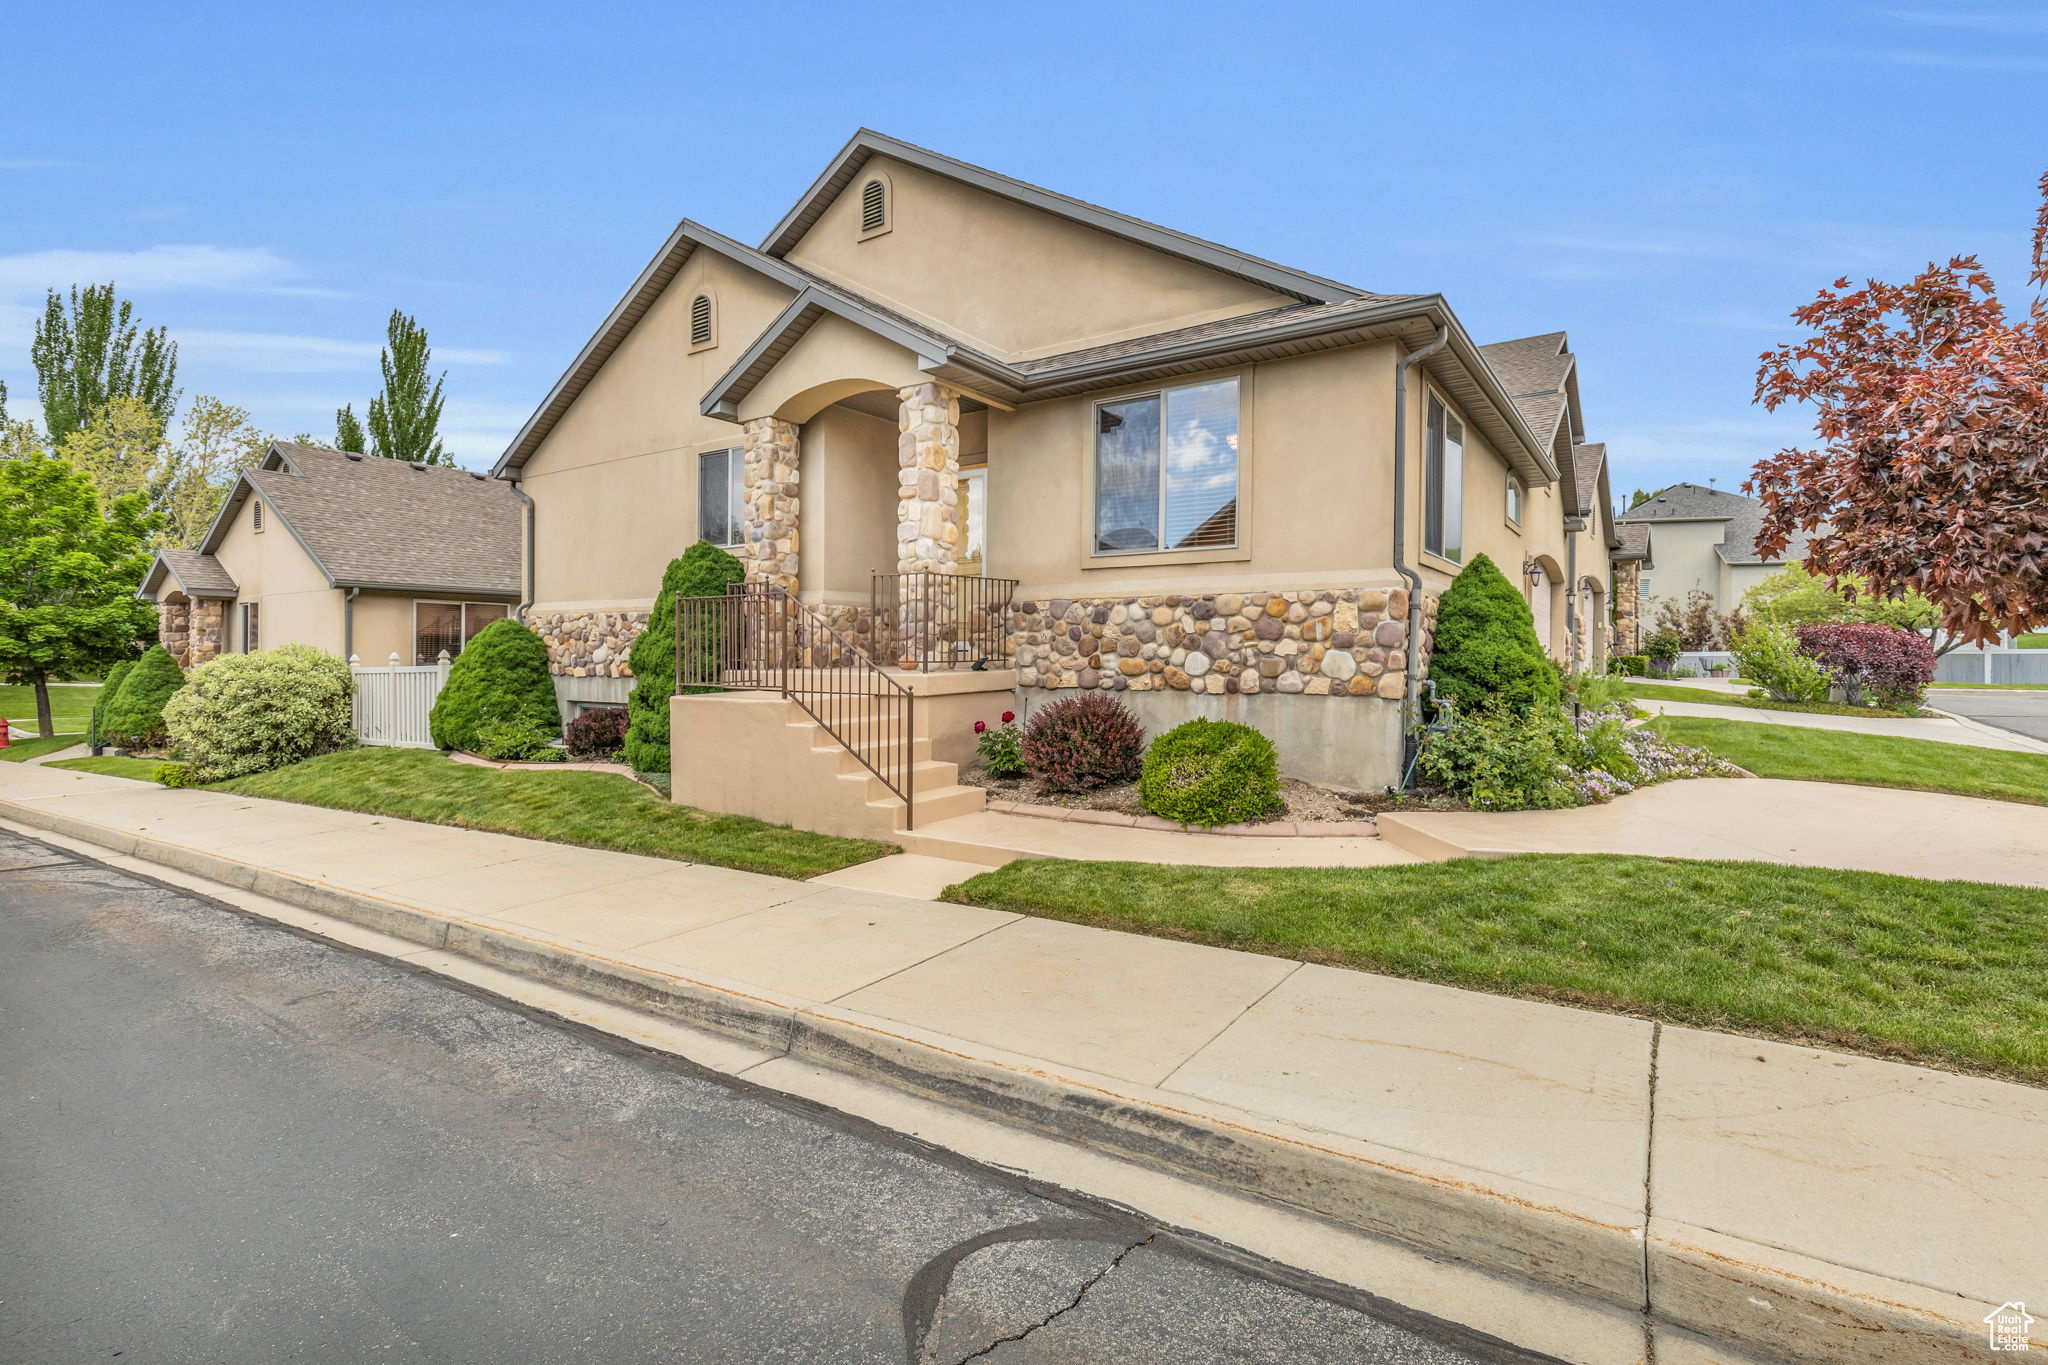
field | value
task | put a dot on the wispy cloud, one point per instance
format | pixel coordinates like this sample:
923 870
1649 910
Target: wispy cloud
477 431
1724 448
2017 20
1834 246
152 268
35 163
1962 61
278 353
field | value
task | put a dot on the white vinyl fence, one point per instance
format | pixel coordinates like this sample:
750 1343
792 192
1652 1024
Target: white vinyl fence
1993 666
392 703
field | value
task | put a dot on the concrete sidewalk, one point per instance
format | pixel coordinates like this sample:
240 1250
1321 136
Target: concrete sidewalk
1790 1203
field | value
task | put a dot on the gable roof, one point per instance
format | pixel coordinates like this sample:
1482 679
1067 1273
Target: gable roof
1738 542
196 574
1540 374
1632 541
1689 502
368 522
867 143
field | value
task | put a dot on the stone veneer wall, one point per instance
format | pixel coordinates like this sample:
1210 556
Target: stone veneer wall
588 644
209 630
1628 607
1342 642
174 629
928 479
771 546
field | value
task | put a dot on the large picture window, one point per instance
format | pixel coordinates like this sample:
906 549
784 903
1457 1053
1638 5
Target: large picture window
449 625
1443 485
721 496
1166 470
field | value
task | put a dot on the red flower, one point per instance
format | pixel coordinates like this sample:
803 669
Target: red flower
979 726
1009 716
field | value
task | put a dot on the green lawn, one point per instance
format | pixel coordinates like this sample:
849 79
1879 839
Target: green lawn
71 707
110 765
2035 641
1945 972
597 810
1866 760
1663 692
21 750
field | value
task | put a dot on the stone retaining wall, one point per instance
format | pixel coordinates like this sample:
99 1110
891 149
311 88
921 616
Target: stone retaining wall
1343 642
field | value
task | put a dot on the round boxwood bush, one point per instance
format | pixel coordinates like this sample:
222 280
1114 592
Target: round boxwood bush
1211 772
1087 741
704 570
501 675
249 713
134 719
1486 652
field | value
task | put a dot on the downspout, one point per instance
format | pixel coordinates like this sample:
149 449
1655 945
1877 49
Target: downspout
1571 597
526 600
1413 579
348 624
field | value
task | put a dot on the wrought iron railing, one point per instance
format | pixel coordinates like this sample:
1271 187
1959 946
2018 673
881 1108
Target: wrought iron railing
925 620
757 637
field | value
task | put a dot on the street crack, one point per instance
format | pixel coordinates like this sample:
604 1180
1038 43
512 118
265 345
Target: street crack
1062 1310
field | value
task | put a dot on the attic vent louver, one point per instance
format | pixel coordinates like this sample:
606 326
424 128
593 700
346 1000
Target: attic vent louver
874 206
355 455
700 320
421 467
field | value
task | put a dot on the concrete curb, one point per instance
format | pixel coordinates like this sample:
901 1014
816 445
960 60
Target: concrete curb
1760 1299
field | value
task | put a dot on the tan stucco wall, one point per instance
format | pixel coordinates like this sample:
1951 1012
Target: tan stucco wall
1683 552
1010 279
271 568
384 623
848 517
614 484
828 362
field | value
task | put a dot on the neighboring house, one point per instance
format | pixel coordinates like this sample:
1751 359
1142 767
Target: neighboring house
1706 540
1184 456
355 554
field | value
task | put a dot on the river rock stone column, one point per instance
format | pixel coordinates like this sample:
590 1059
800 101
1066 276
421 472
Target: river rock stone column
1628 607
770 550
928 529
209 620
174 629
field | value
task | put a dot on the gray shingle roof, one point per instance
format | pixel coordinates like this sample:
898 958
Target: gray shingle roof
1634 538
1689 502
1738 543
1206 331
198 575
377 523
1528 365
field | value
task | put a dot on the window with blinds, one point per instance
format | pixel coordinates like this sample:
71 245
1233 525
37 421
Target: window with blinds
1166 470
1443 485
450 626
721 496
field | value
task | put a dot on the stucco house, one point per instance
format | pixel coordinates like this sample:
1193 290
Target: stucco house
1705 541
1212 484
354 554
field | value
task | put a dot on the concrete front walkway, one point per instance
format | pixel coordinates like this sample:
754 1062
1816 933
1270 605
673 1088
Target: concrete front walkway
1944 729
1800 1204
1808 824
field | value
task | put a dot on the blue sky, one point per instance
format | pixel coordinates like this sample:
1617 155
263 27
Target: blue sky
1663 182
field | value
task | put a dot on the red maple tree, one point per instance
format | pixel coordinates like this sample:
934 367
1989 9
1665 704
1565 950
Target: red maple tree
1932 407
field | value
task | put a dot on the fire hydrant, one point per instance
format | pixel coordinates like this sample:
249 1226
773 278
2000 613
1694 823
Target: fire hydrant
3 732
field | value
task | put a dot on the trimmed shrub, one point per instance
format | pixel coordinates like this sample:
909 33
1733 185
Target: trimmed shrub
704 570
1211 772
1662 650
519 740
249 713
172 775
1769 656
1890 665
501 675
1629 665
135 718
597 734
1486 652
1499 758
118 674
1087 741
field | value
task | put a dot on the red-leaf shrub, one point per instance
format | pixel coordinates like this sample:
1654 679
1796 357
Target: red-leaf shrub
1890 665
598 734
1087 741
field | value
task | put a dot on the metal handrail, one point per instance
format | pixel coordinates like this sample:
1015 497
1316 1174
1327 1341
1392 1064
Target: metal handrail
925 618
759 637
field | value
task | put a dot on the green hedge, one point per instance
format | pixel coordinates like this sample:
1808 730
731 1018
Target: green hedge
1486 651
249 713
1210 772
501 675
134 719
704 570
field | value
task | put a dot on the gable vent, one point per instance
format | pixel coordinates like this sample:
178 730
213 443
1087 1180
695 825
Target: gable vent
700 320
256 514
874 206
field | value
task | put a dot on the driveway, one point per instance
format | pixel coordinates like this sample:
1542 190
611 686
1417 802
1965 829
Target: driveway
2024 713
229 1142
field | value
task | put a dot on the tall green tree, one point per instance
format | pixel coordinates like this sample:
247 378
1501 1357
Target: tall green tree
348 432
68 572
90 352
405 419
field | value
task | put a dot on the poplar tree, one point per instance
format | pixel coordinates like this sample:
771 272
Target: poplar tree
90 352
405 419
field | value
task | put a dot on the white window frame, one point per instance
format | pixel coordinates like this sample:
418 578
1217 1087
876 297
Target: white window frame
1094 509
1430 455
1517 501
249 617
463 603
736 478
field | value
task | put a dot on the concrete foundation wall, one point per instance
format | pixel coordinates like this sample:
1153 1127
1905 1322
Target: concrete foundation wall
1330 741
573 695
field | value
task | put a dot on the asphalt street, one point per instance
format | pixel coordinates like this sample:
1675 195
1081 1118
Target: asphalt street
2024 713
222 1141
